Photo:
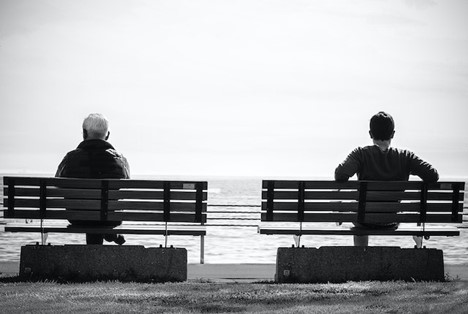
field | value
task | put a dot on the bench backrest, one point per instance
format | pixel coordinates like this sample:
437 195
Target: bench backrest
362 201
105 199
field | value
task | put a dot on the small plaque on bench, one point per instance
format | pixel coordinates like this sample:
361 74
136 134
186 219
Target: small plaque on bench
188 186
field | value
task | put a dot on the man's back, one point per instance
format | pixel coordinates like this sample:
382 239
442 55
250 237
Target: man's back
380 162
371 163
94 159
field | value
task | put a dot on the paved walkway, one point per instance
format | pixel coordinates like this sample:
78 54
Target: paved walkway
238 272
231 272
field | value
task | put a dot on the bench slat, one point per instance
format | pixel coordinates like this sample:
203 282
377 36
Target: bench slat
353 207
154 195
411 207
290 184
354 195
317 195
371 185
152 184
56 192
410 196
429 231
57 203
113 205
96 193
416 218
352 217
96 183
114 184
147 205
142 231
56 182
112 216
141 216
318 206
55 214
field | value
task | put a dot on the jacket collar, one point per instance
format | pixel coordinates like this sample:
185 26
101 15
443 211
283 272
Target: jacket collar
95 144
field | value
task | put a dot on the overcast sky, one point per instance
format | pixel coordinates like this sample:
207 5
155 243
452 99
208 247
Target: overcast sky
240 87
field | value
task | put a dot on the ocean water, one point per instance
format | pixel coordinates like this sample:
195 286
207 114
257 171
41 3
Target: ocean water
235 244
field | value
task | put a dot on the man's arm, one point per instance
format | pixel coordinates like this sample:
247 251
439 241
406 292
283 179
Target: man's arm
349 167
423 169
61 167
126 168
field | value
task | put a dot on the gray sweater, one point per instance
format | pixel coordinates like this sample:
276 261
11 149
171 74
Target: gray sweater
370 163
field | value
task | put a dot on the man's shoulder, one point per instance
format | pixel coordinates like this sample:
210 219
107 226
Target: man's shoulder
74 153
108 152
366 148
376 149
112 152
363 149
401 151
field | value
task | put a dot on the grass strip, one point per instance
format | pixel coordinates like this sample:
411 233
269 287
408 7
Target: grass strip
206 297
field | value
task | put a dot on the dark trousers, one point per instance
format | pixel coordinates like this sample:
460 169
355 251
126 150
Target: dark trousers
97 238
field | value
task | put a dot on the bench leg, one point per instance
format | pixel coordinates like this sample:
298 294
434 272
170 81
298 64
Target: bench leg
202 249
418 241
44 236
297 240
165 235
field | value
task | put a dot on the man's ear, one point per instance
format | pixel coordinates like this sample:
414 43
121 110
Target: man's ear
85 134
393 133
371 136
107 136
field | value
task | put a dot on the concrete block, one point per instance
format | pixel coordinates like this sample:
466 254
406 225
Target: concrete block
348 263
103 262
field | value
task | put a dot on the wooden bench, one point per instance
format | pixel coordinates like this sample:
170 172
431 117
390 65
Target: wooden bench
309 205
145 207
313 207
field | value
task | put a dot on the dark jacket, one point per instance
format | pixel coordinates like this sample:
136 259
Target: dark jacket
95 159
370 163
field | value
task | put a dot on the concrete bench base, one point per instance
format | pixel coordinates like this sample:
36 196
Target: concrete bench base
348 263
103 262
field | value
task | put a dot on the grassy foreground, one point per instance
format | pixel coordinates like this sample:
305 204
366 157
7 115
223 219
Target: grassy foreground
205 297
